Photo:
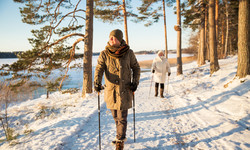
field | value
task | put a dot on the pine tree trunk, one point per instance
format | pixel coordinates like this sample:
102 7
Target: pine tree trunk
217 27
165 29
214 64
207 53
243 39
202 37
125 21
202 46
222 37
88 43
227 30
216 17
179 59
248 40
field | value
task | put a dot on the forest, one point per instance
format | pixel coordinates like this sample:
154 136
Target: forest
221 29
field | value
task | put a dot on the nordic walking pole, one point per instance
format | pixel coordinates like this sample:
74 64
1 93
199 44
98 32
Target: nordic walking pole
167 85
150 85
99 120
134 112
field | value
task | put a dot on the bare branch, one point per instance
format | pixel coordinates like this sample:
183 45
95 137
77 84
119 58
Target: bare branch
77 16
67 16
56 12
72 53
64 37
76 6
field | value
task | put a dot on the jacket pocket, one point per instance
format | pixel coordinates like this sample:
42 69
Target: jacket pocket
110 95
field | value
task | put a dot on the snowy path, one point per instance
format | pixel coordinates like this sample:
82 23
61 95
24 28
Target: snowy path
188 119
199 112
183 120
153 126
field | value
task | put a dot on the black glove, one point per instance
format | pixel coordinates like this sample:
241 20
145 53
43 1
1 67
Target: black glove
98 87
169 73
153 71
133 87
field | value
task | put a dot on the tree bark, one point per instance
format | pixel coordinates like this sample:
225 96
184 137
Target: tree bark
222 38
179 59
217 28
201 60
248 39
214 64
227 30
47 94
88 43
207 53
165 29
243 39
125 21
216 17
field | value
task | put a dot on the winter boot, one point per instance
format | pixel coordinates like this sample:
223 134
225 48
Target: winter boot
161 93
156 91
115 141
119 145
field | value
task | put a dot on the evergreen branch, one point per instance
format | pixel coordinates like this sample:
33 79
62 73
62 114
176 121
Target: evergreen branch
38 52
116 11
41 1
145 7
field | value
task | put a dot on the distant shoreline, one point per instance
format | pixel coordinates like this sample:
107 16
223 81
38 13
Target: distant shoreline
146 64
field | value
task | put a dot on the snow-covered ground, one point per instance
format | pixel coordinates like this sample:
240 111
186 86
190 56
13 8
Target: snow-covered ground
199 112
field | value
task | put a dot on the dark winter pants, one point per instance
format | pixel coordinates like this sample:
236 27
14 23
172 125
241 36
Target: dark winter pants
161 89
120 117
157 85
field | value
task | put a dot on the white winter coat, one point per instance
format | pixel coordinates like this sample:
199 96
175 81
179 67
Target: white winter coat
161 67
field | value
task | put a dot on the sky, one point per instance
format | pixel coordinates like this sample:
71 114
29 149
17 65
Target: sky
14 33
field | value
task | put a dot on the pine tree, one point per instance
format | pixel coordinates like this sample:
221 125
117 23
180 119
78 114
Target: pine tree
112 11
60 22
228 20
201 58
194 17
150 12
179 57
214 64
244 39
87 62
165 29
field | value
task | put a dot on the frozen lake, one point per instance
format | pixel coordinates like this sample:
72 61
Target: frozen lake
75 79
139 58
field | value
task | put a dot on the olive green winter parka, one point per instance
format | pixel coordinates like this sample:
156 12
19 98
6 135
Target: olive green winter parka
119 74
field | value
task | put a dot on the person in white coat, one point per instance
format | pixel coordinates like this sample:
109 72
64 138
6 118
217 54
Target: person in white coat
160 67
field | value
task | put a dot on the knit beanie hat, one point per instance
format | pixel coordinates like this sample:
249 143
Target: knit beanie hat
117 33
